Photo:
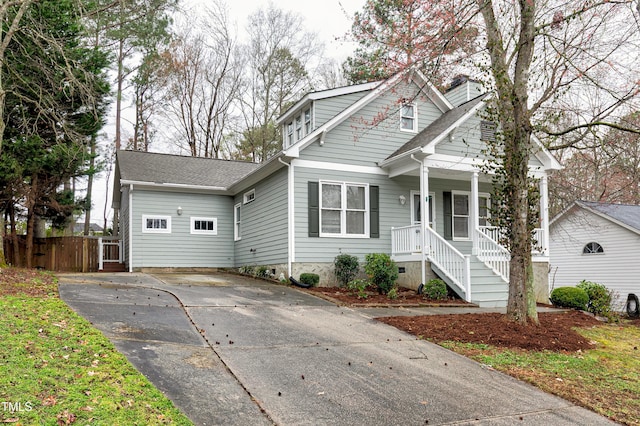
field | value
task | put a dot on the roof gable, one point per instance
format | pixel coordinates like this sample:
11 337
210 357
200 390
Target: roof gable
381 87
625 215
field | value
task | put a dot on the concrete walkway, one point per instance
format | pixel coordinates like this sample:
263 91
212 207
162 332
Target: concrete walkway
235 351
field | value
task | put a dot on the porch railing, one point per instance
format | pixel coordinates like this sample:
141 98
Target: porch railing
496 235
450 261
109 251
493 254
406 240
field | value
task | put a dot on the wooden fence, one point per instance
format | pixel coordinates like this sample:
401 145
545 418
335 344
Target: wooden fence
61 254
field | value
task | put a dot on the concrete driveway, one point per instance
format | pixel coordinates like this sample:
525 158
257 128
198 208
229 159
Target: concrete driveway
235 351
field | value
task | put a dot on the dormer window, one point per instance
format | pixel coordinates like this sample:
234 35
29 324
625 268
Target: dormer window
289 140
408 118
307 121
298 128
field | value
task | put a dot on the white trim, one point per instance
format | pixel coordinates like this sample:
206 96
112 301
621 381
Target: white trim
173 185
246 196
338 167
146 230
213 231
440 100
131 228
453 216
324 94
237 222
291 229
343 209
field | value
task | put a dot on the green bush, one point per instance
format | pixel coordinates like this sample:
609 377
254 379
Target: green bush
310 279
247 270
263 272
360 286
599 297
569 297
382 271
435 289
346 268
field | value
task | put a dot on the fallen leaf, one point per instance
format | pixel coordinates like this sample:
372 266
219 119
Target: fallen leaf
49 401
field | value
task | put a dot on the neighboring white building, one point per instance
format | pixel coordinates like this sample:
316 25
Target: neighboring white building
597 242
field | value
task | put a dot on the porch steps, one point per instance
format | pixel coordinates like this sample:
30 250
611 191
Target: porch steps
114 267
488 290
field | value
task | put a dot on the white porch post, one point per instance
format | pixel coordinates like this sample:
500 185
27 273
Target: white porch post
544 214
475 211
424 216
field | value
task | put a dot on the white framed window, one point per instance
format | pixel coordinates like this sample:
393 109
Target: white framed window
461 211
249 196
289 136
409 117
204 225
415 209
156 224
237 222
344 209
298 128
307 121
593 248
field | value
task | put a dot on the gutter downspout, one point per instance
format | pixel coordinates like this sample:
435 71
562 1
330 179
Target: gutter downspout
130 227
423 223
290 214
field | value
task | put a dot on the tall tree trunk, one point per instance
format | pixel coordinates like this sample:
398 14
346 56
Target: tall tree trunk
92 163
31 219
119 83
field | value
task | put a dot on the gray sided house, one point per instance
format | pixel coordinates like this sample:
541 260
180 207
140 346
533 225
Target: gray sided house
597 242
392 166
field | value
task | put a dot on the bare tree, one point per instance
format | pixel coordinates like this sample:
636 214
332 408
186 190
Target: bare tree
279 56
203 77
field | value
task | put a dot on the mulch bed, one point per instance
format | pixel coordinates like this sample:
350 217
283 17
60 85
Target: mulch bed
555 332
407 298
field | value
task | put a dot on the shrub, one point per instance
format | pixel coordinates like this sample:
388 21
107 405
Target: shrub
435 289
346 268
247 270
263 272
310 279
360 286
382 271
599 297
393 293
569 297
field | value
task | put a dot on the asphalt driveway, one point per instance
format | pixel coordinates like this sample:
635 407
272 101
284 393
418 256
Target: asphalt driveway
235 351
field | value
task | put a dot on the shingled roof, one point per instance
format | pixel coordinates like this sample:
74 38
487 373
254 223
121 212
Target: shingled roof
439 126
147 167
624 213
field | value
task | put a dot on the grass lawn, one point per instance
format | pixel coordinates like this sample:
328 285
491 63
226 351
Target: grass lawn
55 368
605 380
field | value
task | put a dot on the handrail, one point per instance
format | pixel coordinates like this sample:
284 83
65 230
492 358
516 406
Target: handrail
406 240
538 246
493 254
450 261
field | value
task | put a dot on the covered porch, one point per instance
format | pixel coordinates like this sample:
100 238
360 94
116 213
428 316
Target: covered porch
457 240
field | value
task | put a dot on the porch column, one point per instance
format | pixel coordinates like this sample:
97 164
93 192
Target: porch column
475 211
424 216
544 214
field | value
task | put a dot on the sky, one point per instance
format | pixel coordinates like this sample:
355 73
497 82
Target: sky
329 19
